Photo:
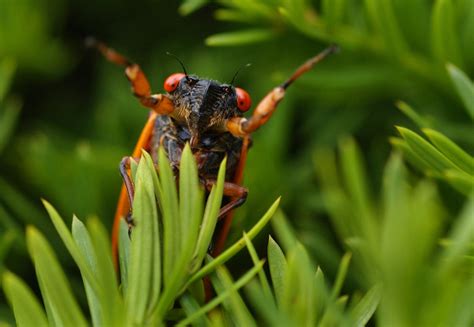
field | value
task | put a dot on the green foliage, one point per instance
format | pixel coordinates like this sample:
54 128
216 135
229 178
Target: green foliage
10 232
395 239
379 27
61 307
464 87
147 294
154 275
411 247
391 35
9 108
296 294
444 159
36 50
28 310
390 50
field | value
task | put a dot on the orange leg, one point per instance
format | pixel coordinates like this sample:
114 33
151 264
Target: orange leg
232 190
227 220
241 126
237 193
140 86
123 205
159 103
238 196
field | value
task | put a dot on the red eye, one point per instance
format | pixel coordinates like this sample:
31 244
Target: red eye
171 83
243 99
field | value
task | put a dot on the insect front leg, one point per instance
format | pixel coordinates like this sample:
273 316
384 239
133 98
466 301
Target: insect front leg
237 193
124 168
159 103
125 202
240 126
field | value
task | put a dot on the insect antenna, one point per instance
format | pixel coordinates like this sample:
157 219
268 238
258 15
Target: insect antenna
238 71
180 62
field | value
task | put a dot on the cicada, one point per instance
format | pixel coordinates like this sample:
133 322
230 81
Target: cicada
208 115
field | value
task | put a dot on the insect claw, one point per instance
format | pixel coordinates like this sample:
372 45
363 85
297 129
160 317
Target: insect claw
194 141
333 48
109 53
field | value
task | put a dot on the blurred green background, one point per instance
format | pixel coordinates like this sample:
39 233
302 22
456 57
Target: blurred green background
67 116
